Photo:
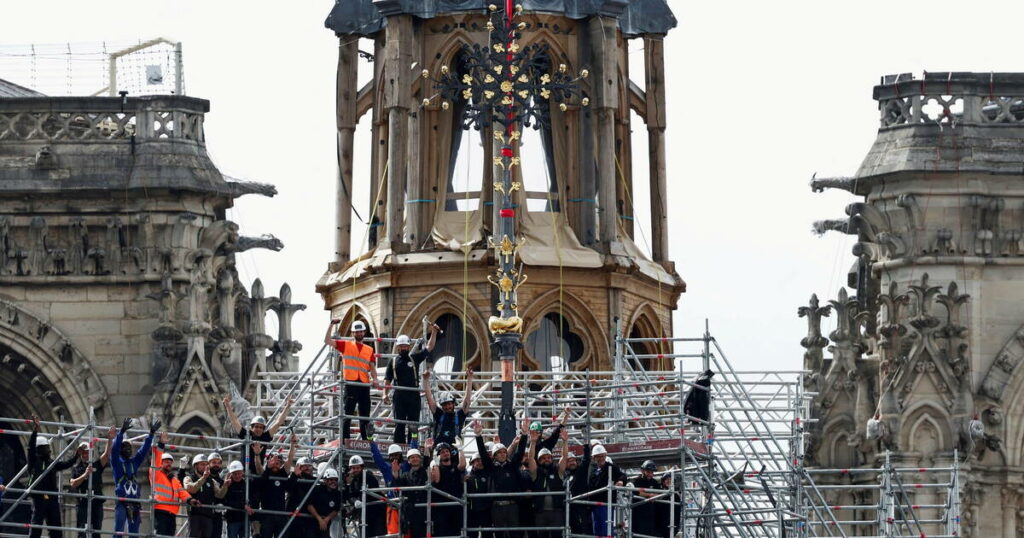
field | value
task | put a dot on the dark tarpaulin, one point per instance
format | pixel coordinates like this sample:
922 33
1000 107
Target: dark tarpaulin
366 17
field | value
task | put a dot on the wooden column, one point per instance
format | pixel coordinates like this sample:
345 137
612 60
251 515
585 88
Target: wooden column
415 224
654 56
378 151
397 88
348 54
603 33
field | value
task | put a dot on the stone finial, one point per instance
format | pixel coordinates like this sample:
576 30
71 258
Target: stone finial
285 347
814 342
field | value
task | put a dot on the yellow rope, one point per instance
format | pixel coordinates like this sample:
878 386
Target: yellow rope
629 200
366 234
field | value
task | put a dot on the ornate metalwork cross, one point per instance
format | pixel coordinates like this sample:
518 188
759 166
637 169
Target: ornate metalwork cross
506 87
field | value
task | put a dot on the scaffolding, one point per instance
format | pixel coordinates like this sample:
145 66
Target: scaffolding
737 472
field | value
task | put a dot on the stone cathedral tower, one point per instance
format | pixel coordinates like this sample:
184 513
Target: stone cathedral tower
926 357
118 287
431 203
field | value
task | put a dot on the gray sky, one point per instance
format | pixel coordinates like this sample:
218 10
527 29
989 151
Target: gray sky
761 95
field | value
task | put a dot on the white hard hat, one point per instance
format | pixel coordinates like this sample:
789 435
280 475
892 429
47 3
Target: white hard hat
355 460
496 447
446 397
235 466
394 449
42 441
303 461
199 458
258 420
598 450
413 452
544 452
358 326
330 473
474 457
594 442
213 456
403 340
166 456
83 446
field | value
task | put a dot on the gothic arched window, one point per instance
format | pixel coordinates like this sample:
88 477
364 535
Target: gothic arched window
466 163
454 346
553 344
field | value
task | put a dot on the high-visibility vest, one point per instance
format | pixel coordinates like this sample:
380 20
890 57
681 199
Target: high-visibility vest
356 359
168 493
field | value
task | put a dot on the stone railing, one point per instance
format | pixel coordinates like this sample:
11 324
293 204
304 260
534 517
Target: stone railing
70 119
951 98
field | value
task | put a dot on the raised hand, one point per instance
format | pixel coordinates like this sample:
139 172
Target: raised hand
227 400
429 445
435 473
35 423
154 427
126 425
164 438
525 427
534 435
564 435
478 427
111 433
257 448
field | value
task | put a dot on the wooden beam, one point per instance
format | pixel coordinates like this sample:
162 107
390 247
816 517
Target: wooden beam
654 55
603 32
637 100
398 55
348 55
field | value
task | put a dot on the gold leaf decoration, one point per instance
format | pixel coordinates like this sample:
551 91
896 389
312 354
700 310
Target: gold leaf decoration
488 94
506 86
467 79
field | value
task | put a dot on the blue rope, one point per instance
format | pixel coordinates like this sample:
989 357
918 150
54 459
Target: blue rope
590 200
419 201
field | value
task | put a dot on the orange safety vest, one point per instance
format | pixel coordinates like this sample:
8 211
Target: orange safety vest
167 492
357 359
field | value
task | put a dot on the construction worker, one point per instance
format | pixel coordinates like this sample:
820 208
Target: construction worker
232 494
643 519
272 486
199 483
504 475
301 481
359 366
325 504
580 519
257 430
391 469
128 513
215 465
600 470
43 470
168 493
478 508
352 493
403 375
663 517
87 476
448 422
547 477
414 518
447 476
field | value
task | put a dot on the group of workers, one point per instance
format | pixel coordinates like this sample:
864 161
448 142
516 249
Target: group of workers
510 488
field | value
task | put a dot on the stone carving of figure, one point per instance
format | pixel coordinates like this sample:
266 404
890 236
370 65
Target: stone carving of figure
285 347
79 247
6 244
37 246
226 300
168 299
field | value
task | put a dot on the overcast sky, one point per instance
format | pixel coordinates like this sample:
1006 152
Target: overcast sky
761 96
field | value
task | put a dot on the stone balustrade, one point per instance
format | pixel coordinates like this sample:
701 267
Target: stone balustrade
951 98
70 119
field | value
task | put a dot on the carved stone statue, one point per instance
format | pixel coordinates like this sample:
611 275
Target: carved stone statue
266 241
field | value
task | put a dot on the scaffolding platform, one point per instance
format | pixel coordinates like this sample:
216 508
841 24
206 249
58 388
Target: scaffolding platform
738 473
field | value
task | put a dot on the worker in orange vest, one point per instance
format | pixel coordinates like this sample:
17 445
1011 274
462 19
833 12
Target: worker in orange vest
168 493
358 362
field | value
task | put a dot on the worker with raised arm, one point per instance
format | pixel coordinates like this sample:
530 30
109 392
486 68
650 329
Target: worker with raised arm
257 430
548 477
403 375
128 511
45 506
352 494
168 492
88 475
504 475
359 370
448 422
273 487
202 487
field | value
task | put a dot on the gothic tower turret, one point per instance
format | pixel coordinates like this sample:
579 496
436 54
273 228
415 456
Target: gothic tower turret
926 355
438 181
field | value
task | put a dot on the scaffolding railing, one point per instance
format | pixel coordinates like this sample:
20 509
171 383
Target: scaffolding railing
738 471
